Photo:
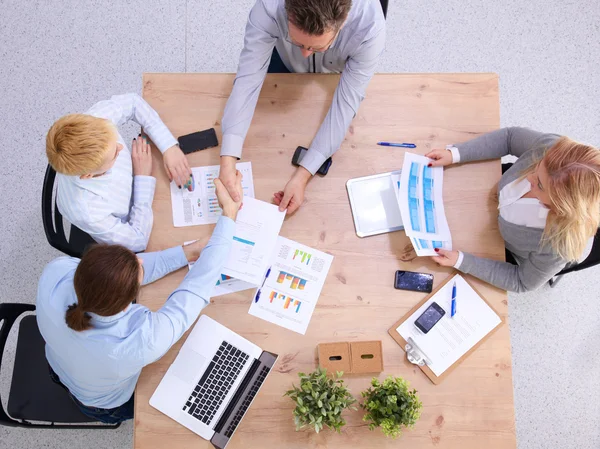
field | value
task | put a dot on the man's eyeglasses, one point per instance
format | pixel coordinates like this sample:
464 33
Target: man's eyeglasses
313 49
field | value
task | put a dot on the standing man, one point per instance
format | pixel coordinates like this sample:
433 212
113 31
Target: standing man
303 36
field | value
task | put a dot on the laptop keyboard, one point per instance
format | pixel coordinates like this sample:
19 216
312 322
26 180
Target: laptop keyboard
215 383
249 397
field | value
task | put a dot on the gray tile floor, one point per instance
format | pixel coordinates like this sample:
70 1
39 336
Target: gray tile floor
58 57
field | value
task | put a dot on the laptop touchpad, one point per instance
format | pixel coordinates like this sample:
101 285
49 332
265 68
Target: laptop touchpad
188 365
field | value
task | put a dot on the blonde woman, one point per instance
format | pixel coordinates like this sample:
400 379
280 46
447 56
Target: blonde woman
549 205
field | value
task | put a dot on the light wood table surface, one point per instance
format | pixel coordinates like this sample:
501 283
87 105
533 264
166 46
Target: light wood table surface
473 408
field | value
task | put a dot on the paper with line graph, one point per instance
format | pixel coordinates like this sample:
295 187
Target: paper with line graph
292 286
422 206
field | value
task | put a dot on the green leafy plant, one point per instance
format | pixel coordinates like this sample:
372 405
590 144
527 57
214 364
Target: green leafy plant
320 401
391 405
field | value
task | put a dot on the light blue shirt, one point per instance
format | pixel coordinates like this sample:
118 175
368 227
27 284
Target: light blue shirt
101 366
116 208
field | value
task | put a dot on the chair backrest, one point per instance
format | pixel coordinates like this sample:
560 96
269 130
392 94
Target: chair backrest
384 6
9 313
53 222
591 260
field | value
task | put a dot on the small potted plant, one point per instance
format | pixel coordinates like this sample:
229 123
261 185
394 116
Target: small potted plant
391 405
320 401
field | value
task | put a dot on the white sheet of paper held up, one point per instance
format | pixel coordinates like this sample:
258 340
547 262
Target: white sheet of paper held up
257 228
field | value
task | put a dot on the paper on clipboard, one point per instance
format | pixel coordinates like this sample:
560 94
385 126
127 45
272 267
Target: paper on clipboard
452 337
422 206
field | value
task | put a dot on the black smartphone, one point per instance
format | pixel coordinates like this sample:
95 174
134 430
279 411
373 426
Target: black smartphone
299 154
197 141
410 280
429 317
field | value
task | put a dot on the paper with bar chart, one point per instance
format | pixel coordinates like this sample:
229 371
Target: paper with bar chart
196 202
225 284
256 230
422 206
290 292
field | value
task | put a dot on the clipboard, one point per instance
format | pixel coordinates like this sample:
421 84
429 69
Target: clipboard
416 356
374 204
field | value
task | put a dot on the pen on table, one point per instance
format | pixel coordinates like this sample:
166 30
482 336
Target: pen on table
453 308
401 145
263 284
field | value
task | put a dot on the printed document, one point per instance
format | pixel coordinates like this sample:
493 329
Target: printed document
422 205
256 230
225 284
452 337
294 281
196 203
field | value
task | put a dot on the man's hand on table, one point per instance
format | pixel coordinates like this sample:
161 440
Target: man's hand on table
225 196
292 196
445 258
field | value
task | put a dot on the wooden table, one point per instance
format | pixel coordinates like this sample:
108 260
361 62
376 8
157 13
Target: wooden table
472 408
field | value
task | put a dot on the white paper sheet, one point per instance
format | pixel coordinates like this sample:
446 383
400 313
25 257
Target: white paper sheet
225 284
197 204
422 205
451 337
291 290
257 228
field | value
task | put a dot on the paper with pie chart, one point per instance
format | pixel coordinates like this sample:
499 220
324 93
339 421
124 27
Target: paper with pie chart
292 288
196 202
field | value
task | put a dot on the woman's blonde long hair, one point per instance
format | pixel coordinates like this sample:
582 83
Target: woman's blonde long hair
574 189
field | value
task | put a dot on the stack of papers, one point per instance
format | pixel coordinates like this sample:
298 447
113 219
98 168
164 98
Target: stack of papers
422 206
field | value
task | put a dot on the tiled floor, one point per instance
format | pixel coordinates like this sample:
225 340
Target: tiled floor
59 57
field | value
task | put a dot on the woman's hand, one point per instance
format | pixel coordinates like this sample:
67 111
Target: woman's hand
445 258
228 204
439 158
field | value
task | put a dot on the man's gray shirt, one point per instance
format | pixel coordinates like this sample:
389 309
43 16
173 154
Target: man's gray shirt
354 52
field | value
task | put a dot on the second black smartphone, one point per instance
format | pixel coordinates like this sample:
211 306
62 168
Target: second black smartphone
429 317
197 141
410 280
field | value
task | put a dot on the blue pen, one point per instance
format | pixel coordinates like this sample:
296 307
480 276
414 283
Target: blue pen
400 145
263 284
453 309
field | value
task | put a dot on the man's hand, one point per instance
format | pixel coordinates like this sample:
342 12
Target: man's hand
439 158
228 177
292 197
141 157
176 165
446 258
192 250
228 204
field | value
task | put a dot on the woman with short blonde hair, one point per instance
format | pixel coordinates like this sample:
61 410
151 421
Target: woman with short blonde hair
549 205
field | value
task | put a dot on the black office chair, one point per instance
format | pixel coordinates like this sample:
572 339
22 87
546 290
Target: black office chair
384 6
33 396
53 222
591 260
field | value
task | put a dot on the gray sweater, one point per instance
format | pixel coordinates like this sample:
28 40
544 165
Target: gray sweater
537 263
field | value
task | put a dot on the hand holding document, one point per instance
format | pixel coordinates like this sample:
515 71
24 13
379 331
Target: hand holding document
422 205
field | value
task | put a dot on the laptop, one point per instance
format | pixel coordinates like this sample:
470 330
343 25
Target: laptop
213 381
